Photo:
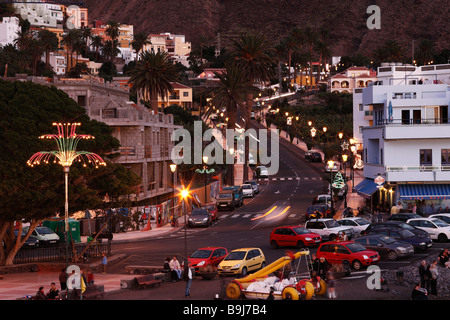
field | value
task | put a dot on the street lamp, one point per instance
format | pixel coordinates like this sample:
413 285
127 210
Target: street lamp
67 141
184 194
205 171
344 160
330 165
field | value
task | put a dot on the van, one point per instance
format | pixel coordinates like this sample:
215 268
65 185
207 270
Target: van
225 199
238 195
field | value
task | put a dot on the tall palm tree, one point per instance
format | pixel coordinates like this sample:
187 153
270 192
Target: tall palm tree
231 91
324 51
22 39
49 42
152 77
110 49
140 40
310 38
254 56
86 35
69 39
112 31
97 43
35 49
425 52
394 51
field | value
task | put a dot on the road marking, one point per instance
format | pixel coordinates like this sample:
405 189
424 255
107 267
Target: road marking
292 215
235 216
281 179
247 215
223 216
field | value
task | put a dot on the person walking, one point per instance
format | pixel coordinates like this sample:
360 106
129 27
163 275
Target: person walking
104 263
422 271
63 279
434 275
330 286
188 275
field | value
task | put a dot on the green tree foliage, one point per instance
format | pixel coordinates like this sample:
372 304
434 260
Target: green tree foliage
27 111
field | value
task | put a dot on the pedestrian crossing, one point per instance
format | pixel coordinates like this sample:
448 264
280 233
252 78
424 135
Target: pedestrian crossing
290 179
251 216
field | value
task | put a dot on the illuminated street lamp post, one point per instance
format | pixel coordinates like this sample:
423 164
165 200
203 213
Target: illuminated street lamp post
205 171
330 165
67 141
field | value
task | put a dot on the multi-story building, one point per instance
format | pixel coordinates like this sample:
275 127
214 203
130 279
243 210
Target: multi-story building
9 26
408 143
58 62
40 13
145 138
353 77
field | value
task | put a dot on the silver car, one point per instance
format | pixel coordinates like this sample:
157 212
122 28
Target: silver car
254 185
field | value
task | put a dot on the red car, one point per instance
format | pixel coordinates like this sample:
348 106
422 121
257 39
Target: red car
293 236
212 209
347 251
208 255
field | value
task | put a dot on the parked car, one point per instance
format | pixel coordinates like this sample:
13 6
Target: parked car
242 261
293 236
262 172
436 228
315 157
357 224
238 195
329 229
252 115
247 190
212 208
443 216
30 243
322 208
207 256
387 247
254 184
45 235
323 199
334 169
418 242
308 154
397 225
353 253
225 199
404 216
200 217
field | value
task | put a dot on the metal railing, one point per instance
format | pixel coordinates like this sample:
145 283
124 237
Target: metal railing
58 253
411 121
417 168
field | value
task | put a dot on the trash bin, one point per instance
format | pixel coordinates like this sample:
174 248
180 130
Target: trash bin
58 226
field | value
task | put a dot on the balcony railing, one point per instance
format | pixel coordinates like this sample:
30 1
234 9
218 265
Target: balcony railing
423 168
411 121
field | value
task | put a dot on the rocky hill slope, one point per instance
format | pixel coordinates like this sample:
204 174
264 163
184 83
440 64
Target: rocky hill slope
401 20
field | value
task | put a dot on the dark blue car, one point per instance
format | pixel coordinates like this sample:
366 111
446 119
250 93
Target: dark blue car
418 242
238 194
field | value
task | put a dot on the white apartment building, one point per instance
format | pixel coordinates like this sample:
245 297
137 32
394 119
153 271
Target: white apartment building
58 62
40 14
408 143
9 26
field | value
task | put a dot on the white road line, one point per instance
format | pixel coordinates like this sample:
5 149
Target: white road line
235 216
246 215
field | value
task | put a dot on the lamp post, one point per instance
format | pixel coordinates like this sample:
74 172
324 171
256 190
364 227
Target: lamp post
205 171
344 160
330 165
67 141
184 194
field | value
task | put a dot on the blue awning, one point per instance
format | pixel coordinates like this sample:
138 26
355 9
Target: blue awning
423 191
361 184
368 189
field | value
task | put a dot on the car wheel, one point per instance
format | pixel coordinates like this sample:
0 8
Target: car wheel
357 265
442 238
301 245
263 265
274 244
244 272
392 255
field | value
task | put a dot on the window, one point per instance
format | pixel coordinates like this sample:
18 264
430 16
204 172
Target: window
445 157
426 158
342 250
185 94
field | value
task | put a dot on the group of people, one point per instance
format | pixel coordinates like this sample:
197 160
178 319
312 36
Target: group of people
173 268
52 294
321 269
428 274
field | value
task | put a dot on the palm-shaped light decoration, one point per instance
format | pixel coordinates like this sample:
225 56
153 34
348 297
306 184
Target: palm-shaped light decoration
67 141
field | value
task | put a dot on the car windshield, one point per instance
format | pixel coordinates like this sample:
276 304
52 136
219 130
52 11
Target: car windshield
440 223
236 255
301 230
224 195
362 222
332 224
212 207
44 231
355 247
407 227
201 212
387 240
246 186
250 182
406 234
201 254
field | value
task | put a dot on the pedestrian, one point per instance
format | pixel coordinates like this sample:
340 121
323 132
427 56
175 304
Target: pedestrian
53 293
90 278
104 263
434 275
314 267
419 293
40 295
330 286
188 275
175 267
422 271
271 296
444 259
414 208
323 268
63 279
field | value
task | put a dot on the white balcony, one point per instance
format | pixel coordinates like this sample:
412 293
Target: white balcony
420 173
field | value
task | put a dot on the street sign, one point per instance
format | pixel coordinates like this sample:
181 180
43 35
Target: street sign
379 180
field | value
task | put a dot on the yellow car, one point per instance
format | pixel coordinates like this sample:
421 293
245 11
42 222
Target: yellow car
241 261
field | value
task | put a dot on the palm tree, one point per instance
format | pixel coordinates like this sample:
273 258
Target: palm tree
425 52
394 51
49 42
310 38
140 40
22 39
86 35
254 56
35 49
69 39
324 52
152 77
97 43
112 31
110 49
232 89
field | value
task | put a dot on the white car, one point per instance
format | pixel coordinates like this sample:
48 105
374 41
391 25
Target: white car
357 224
254 185
45 235
247 190
329 229
443 216
436 228
262 172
